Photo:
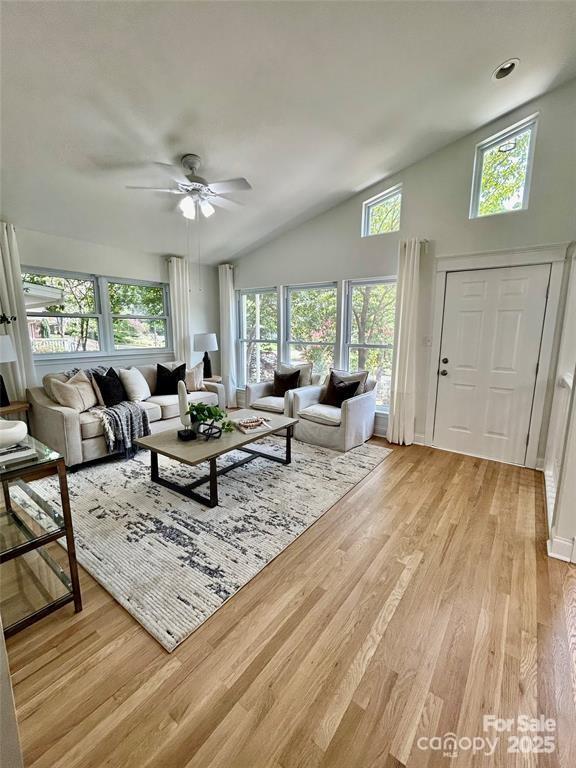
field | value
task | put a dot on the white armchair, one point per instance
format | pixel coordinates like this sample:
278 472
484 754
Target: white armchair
259 396
338 428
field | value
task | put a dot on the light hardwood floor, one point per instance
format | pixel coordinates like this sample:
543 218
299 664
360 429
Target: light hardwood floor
421 601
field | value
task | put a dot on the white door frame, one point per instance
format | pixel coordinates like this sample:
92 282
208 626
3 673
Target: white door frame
555 255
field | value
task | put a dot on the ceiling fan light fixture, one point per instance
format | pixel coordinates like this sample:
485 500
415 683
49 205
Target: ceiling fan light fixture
207 208
187 207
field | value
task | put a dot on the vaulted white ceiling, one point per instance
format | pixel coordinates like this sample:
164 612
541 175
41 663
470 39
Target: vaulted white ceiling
311 101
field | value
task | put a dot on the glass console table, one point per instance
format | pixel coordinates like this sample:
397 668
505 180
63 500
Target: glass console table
35 582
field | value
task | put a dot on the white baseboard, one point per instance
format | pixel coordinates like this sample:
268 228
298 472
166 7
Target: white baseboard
562 549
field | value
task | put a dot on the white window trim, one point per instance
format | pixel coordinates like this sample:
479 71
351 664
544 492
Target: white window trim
367 205
104 316
241 339
488 143
347 333
286 340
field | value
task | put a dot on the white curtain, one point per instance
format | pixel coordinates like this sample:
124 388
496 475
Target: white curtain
20 374
180 304
228 331
403 388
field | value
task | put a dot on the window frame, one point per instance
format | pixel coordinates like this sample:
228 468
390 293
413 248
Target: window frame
240 336
287 341
491 141
347 344
367 206
103 315
111 316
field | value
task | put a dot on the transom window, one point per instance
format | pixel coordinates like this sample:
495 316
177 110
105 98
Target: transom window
311 325
74 314
502 171
381 214
258 335
370 315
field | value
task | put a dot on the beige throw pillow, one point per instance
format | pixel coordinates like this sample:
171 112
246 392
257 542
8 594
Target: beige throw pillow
135 384
195 378
77 393
305 372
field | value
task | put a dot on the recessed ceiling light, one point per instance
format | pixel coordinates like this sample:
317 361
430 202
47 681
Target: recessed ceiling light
505 69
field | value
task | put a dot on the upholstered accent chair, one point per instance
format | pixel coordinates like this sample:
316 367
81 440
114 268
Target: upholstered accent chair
338 428
260 396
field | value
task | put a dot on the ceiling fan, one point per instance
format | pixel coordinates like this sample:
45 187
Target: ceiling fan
198 195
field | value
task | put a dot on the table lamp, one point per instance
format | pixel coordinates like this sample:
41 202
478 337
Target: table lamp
206 342
7 355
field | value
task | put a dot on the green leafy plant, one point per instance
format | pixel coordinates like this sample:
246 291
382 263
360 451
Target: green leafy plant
228 426
201 412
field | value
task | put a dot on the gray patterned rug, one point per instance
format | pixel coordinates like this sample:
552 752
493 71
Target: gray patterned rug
171 562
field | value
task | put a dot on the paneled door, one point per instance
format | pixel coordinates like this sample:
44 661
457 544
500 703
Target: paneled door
491 336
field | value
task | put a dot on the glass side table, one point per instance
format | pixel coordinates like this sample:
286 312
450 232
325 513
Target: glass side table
34 583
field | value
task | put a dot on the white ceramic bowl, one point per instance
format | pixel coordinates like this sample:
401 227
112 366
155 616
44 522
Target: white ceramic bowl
11 432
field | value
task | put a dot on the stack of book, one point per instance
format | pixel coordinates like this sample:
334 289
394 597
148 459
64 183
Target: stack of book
18 452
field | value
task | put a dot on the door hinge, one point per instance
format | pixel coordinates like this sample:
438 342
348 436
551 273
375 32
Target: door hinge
527 439
537 367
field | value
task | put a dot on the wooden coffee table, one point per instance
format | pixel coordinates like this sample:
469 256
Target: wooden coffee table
200 450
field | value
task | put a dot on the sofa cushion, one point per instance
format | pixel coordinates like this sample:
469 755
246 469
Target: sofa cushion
149 373
77 393
90 426
322 414
283 382
167 380
304 368
135 384
269 403
47 383
339 390
360 376
110 387
195 378
152 409
169 403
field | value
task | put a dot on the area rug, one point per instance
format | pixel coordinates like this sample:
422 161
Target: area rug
172 562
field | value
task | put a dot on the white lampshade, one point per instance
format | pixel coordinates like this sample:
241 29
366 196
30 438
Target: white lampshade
205 342
7 351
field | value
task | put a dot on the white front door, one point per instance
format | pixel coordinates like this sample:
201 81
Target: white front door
491 336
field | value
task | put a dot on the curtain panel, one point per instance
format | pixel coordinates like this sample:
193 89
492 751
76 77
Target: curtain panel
228 331
403 389
20 374
180 277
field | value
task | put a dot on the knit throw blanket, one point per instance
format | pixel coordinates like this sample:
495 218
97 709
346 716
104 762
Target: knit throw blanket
123 424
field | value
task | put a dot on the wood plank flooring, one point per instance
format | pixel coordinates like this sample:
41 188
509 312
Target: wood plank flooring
420 602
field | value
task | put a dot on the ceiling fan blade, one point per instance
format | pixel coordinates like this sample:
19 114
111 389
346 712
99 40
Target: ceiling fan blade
174 172
159 189
224 202
229 185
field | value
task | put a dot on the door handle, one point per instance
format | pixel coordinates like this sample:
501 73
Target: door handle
445 360
443 372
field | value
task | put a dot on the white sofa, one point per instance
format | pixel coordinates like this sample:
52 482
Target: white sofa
80 437
338 428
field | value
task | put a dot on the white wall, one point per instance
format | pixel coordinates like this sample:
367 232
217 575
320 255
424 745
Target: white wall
38 249
436 199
